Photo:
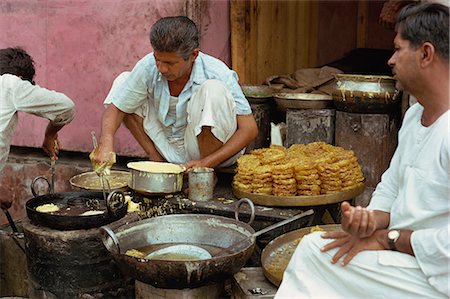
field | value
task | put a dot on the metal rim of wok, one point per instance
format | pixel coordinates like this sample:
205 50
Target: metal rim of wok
195 229
275 248
66 222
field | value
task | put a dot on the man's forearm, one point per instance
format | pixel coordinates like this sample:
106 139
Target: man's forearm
382 219
111 120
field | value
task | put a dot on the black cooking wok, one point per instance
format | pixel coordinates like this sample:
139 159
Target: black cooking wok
72 204
229 241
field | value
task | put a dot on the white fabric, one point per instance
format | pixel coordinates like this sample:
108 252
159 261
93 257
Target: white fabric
415 191
20 95
310 274
211 105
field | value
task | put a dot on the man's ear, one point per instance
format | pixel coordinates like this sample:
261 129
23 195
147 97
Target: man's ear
195 53
427 54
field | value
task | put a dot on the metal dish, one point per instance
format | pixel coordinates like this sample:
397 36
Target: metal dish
303 101
118 180
276 255
300 201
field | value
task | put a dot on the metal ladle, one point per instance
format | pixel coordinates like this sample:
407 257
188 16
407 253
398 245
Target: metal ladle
101 176
262 231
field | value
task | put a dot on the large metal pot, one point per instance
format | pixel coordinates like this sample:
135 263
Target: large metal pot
229 242
365 93
205 231
156 182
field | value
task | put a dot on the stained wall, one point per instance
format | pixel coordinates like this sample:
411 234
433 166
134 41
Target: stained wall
80 46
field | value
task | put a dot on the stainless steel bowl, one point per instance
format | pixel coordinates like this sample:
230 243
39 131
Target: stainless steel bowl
153 183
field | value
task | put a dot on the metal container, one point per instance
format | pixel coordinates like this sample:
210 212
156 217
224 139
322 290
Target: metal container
201 184
207 231
153 183
257 94
365 94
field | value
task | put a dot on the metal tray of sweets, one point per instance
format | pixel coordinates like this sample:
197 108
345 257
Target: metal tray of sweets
277 254
300 201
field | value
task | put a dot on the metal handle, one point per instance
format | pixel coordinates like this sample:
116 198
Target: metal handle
33 183
53 172
107 234
11 221
252 208
281 223
115 201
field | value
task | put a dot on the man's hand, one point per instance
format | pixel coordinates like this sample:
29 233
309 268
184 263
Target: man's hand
357 221
102 159
349 246
51 145
195 163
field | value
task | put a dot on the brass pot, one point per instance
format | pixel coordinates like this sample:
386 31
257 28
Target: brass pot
365 93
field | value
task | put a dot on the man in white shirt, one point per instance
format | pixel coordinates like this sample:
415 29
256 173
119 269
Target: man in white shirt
18 92
397 247
181 105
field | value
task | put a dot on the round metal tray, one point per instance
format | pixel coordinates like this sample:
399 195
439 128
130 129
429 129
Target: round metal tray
303 101
280 250
300 201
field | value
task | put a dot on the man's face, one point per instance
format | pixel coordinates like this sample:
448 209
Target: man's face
404 64
172 66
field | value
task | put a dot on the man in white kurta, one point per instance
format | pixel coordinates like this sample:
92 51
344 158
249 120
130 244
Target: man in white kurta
20 95
412 199
414 190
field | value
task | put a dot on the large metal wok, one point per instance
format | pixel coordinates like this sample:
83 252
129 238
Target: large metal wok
72 205
229 241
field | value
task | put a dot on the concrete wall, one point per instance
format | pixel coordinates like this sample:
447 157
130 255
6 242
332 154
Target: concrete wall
79 46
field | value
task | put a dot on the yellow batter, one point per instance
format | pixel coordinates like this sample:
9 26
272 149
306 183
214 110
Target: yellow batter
47 208
155 167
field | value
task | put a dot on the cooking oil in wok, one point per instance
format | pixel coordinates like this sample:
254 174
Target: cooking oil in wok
180 251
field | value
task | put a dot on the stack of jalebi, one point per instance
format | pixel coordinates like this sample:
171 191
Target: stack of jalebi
307 176
303 169
284 183
243 178
262 180
350 171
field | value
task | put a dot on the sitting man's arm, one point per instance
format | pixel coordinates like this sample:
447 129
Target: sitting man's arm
247 130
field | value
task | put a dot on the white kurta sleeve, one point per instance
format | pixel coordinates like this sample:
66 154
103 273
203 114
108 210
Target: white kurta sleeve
54 106
387 190
432 251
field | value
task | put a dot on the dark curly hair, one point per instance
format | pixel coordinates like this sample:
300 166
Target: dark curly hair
16 61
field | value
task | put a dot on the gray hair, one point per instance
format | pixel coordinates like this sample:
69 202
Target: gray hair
426 22
175 34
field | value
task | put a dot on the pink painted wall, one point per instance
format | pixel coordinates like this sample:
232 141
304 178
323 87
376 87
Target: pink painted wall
80 46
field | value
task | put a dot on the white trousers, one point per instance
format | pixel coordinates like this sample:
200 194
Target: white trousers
211 105
370 274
